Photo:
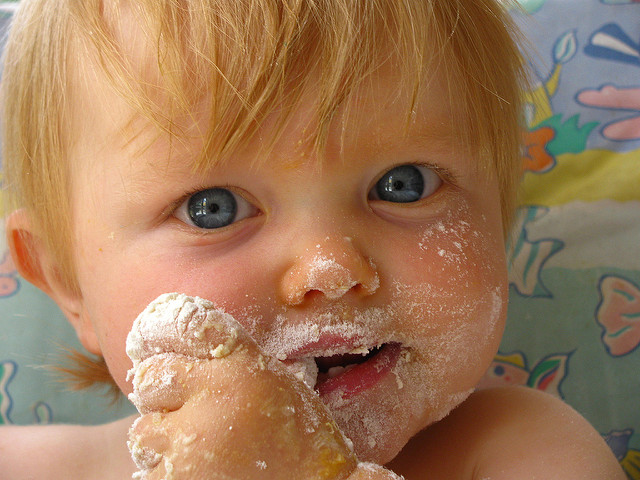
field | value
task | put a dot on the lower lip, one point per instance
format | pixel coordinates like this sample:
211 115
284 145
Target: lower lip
362 376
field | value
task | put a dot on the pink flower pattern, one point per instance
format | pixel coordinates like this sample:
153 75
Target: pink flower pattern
619 315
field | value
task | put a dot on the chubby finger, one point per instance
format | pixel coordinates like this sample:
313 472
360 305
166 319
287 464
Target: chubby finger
146 444
191 326
164 382
160 448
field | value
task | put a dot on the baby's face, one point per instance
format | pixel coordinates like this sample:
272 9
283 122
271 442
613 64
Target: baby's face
381 264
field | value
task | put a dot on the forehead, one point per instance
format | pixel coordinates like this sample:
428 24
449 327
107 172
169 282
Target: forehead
379 115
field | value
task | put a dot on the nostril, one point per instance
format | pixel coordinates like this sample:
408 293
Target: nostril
320 275
308 294
331 276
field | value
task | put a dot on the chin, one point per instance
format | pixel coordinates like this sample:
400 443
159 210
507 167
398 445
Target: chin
382 419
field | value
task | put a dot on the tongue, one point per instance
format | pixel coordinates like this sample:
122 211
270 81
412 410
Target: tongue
371 369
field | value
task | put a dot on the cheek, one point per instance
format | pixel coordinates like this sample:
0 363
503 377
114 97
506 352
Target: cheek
447 293
115 292
232 282
455 335
456 306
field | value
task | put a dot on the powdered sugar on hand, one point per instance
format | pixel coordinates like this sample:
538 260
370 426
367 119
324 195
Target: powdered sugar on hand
304 370
174 331
181 324
175 345
194 328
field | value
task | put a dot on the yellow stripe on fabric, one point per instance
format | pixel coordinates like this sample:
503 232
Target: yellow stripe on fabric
589 176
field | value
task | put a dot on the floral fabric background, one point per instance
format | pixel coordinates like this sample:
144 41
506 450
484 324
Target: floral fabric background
574 315
574 318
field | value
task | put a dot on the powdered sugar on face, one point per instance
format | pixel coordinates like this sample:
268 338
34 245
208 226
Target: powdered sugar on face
445 313
350 329
321 267
325 266
448 344
452 236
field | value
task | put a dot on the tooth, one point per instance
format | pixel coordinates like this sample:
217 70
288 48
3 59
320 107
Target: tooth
361 350
335 371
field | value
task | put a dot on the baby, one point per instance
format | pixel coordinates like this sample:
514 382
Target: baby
336 178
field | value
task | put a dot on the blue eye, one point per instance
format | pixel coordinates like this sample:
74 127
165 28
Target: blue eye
214 208
406 184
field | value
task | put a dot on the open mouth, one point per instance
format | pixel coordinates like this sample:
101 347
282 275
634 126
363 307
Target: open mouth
334 365
347 374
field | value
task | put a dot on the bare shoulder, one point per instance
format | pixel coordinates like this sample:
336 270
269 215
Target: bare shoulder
509 433
65 451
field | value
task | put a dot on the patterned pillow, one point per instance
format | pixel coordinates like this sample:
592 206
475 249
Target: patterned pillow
574 317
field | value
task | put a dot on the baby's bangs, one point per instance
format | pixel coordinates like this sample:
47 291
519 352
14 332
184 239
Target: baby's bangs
256 59
237 62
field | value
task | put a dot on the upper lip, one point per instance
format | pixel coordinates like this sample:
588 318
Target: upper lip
298 335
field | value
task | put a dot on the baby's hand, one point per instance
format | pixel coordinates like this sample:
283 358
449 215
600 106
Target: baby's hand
213 406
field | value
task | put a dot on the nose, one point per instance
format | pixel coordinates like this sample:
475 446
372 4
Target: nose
331 268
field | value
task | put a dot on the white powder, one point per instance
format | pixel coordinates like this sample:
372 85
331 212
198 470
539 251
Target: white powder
360 329
449 325
304 370
145 458
453 233
322 267
181 324
173 333
452 230
378 470
168 467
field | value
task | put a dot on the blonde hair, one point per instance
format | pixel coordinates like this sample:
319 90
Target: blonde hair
249 59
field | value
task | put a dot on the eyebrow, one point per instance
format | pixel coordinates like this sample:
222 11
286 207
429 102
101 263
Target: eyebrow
446 149
440 139
432 138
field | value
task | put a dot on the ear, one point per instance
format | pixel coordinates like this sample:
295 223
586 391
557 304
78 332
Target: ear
37 265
